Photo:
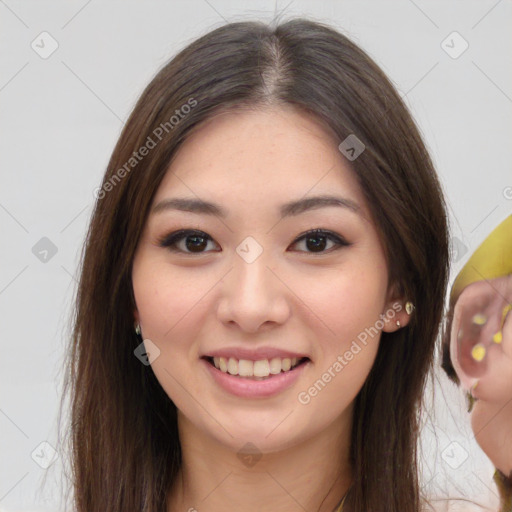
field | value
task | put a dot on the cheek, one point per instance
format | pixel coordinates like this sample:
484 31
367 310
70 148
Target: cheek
164 299
346 328
168 304
347 300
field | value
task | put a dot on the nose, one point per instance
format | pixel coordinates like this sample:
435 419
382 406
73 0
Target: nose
253 295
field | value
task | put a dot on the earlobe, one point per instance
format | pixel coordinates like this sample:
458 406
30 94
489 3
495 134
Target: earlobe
397 314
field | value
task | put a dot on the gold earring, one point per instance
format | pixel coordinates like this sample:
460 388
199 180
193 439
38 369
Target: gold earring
409 307
137 329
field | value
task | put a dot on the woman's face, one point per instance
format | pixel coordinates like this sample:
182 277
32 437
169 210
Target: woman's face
248 286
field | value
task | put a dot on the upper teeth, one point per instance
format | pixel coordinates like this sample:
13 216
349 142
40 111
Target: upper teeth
247 368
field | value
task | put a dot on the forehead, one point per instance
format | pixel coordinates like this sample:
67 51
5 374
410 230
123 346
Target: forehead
268 154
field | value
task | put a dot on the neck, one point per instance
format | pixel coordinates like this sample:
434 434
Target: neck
491 424
314 474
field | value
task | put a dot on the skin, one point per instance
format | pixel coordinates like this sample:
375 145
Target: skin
491 416
291 296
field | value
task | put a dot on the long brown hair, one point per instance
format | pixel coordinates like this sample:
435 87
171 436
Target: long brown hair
123 440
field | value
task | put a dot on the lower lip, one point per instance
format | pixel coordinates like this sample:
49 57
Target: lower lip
249 388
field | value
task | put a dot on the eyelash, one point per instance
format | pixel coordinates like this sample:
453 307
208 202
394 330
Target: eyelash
169 241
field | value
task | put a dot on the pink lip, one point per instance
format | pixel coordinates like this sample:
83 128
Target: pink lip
253 355
249 388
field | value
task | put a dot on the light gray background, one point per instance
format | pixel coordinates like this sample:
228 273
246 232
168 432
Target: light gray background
60 118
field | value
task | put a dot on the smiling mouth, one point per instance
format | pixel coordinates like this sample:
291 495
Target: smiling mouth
256 370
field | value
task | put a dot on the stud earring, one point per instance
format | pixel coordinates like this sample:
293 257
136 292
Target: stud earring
137 329
409 307
398 323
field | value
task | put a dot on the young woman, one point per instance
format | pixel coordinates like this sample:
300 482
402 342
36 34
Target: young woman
262 286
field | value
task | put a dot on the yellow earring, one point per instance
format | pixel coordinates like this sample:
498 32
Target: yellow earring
478 352
498 337
409 307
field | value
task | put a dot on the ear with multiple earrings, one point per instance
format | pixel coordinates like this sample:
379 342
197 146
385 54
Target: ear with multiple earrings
409 308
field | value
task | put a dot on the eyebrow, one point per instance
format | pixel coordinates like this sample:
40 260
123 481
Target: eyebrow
289 209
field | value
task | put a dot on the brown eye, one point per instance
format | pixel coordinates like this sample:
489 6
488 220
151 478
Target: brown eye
317 239
194 241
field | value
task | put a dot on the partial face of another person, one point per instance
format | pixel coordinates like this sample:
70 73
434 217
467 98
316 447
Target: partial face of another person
249 284
481 339
481 354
